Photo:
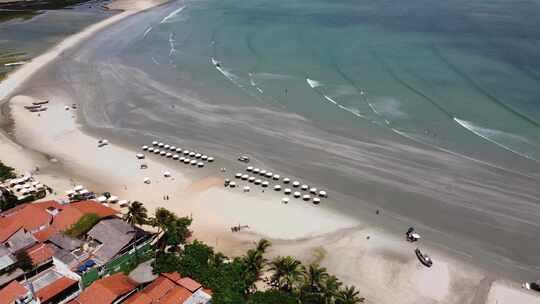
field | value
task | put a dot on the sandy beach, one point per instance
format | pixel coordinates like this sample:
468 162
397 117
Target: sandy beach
383 266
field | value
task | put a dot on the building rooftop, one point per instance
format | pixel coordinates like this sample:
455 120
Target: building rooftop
114 234
11 292
106 290
55 288
40 253
65 242
166 289
30 217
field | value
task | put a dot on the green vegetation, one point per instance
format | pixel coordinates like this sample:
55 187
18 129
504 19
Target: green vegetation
176 229
16 14
83 225
235 281
24 261
136 214
6 172
7 200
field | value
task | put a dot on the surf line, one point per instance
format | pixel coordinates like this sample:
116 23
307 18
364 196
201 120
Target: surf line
147 32
314 84
472 128
172 14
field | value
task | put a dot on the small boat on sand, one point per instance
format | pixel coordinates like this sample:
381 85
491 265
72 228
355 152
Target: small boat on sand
423 258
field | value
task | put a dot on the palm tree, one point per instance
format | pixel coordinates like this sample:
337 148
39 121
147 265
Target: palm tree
254 263
162 219
349 295
314 277
136 214
262 245
330 289
287 272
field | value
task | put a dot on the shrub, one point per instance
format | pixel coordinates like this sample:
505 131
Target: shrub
6 172
83 225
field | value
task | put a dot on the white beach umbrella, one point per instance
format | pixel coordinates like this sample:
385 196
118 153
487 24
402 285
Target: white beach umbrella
145 148
287 191
296 184
200 164
263 172
306 197
210 159
304 187
256 170
146 180
323 194
123 203
286 180
313 190
265 184
193 162
169 155
172 148
192 154
161 145
162 153
150 150
178 150
112 199
246 189
238 175
297 194
78 188
181 158
18 187
140 156
166 147
269 174
35 183
257 182
245 177
70 192
175 157
156 151
232 184
277 187
167 174
186 152
316 200
204 157
84 191
251 179
249 169
101 199
155 143
187 160
285 200
198 155
276 177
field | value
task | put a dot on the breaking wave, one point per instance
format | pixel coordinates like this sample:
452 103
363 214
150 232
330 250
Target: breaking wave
173 14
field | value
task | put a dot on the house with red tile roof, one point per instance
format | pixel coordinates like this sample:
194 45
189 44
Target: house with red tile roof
49 287
171 288
111 289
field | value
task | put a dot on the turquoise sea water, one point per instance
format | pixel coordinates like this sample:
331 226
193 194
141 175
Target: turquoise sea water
449 74
426 111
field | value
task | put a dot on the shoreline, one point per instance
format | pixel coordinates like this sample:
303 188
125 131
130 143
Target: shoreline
207 202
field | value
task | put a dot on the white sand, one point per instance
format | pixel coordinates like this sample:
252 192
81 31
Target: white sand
384 267
507 293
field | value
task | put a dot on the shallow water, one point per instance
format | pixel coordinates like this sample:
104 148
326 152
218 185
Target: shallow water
427 112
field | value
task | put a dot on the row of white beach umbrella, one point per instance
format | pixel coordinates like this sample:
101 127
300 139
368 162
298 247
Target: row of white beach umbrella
269 174
277 188
174 152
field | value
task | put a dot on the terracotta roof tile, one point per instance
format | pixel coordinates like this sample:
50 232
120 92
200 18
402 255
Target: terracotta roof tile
12 291
54 288
106 290
173 276
189 284
177 296
45 234
139 298
40 253
158 288
29 217
67 217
